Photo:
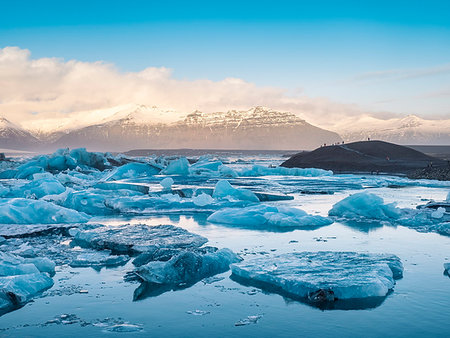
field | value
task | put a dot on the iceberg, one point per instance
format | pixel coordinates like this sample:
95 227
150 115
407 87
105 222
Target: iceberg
135 239
266 216
42 184
202 200
323 276
223 189
21 279
17 290
177 167
132 170
365 205
187 267
447 268
259 170
167 183
27 211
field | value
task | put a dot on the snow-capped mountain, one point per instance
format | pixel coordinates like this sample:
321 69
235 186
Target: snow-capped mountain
14 137
256 128
411 130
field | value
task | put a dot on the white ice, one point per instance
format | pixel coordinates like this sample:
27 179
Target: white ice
224 189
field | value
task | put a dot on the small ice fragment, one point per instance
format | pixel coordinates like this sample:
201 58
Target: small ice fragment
439 213
84 291
167 183
197 312
124 328
202 200
249 320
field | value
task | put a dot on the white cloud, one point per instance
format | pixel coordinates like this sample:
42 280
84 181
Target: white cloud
51 88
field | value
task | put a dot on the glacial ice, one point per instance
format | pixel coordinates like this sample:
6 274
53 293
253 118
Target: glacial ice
135 239
365 205
447 268
266 216
18 289
259 170
179 166
132 170
224 189
187 267
22 279
42 184
323 276
203 200
27 211
98 259
167 183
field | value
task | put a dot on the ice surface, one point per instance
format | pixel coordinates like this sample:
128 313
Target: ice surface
324 276
177 167
266 216
132 170
22 278
26 211
99 259
202 200
187 267
19 289
447 268
365 205
136 239
259 170
167 183
223 189
42 184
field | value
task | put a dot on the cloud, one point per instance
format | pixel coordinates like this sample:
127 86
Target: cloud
401 74
52 88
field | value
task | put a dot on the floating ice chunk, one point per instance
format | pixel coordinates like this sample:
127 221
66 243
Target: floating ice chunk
248 320
167 183
26 211
17 290
11 265
365 205
324 276
447 268
265 216
202 199
98 259
135 239
28 172
448 197
177 167
259 170
439 213
225 171
223 189
187 267
208 165
143 189
132 170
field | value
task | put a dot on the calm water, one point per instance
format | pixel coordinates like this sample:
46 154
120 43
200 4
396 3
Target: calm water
418 306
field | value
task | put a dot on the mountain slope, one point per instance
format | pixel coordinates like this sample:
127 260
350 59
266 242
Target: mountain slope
257 128
408 130
14 137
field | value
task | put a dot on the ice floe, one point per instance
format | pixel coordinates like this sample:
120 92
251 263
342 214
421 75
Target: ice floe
187 267
136 239
267 216
323 276
27 211
21 279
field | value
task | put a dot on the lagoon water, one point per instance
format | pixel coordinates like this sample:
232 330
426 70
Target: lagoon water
417 307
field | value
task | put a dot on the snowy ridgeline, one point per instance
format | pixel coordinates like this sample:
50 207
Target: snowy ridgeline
48 202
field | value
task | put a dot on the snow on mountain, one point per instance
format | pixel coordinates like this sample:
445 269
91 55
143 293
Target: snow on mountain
14 137
411 130
256 128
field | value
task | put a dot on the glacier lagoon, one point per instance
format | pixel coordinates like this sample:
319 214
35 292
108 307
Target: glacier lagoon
262 212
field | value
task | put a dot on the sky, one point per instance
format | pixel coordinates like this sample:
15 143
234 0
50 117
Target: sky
320 59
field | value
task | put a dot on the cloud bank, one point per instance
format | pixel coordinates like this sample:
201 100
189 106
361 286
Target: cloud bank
33 90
